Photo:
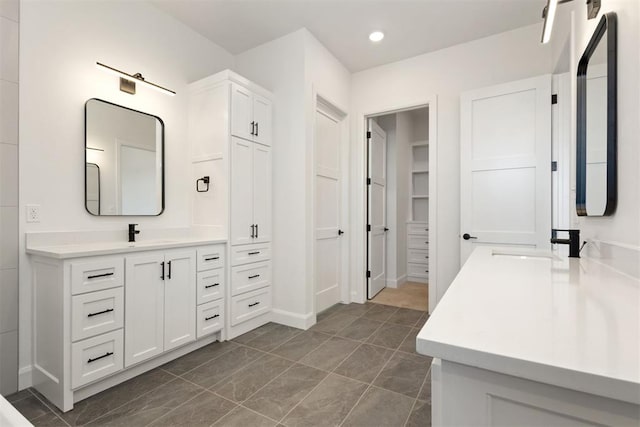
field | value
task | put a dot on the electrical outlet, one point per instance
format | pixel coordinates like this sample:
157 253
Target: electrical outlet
33 213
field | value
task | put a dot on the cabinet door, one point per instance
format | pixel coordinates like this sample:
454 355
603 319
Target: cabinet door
241 191
179 298
241 112
262 118
144 307
262 192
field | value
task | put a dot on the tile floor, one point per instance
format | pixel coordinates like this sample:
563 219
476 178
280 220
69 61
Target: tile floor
355 367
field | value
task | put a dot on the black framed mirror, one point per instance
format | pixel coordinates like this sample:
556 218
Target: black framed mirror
596 161
124 161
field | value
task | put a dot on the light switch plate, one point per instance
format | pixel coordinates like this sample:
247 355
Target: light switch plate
33 213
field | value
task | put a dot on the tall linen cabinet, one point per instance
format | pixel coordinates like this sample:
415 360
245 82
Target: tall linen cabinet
230 143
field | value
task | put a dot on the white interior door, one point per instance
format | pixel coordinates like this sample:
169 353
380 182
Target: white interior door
377 209
242 225
138 192
328 189
505 151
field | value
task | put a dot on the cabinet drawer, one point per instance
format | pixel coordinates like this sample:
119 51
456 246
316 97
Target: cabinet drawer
210 285
419 256
418 270
96 313
210 257
418 228
250 305
417 242
250 277
95 358
210 318
89 276
250 253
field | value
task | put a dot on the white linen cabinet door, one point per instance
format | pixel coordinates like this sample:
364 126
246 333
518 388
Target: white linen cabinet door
144 307
179 298
242 122
262 193
262 120
242 224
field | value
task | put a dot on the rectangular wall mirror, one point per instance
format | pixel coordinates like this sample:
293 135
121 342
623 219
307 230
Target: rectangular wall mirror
596 164
124 161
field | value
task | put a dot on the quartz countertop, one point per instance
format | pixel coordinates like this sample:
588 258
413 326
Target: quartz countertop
573 323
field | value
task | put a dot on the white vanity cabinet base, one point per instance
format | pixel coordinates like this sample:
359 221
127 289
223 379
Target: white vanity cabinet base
96 313
96 358
491 399
210 318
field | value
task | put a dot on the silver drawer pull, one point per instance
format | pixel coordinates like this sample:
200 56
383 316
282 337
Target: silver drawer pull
109 310
96 276
107 354
212 317
254 304
211 286
254 253
254 276
213 258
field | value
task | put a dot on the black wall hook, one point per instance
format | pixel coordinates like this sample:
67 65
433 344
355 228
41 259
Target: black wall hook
205 181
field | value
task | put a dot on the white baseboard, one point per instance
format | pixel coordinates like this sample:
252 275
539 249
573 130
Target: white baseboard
295 320
395 283
415 279
25 378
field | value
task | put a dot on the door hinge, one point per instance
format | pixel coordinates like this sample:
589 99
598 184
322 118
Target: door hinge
368 274
554 98
368 227
554 166
368 134
368 181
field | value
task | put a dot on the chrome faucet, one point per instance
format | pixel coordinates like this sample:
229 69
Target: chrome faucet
573 241
133 232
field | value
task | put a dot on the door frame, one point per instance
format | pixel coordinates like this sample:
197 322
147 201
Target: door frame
329 108
359 248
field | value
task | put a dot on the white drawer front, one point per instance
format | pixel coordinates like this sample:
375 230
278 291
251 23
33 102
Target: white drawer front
417 270
210 318
211 257
96 313
417 242
417 228
419 256
250 253
249 277
95 358
103 273
210 285
250 305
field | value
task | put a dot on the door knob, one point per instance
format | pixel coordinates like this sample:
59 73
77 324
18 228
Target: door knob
340 232
467 236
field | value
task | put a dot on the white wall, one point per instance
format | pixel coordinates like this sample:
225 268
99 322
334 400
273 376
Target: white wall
60 43
446 73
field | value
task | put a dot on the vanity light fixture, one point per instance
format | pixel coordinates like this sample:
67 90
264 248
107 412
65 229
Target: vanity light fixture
128 81
376 36
549 15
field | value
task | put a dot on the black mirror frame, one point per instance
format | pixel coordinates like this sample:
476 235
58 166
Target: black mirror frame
85 157
608 25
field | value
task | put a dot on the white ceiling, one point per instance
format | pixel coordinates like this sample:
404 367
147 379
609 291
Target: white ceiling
411 27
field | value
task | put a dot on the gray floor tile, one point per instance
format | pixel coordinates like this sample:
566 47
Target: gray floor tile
194 359
49 420
404 373
151 406
355 309
31 407
425 393
330 311
330 354
98 405
380 408
360 329
275 336
406 317
283 393
380 312
243 383
244 338
213 372
422 320
203 410
421 415
300 345
365 363
389 335
12 398
242 417
333 324
328 404
409 343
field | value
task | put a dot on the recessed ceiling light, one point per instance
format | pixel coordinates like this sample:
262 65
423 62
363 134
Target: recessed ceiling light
376 36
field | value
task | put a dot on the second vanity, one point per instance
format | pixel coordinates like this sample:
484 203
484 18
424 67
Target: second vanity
106 312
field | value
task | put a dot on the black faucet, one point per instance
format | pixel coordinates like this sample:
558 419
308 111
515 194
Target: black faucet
133 232
573 241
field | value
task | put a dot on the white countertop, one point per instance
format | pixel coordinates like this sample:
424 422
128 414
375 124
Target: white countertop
77 250
573 323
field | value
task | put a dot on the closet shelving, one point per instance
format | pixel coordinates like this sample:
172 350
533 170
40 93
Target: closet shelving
418 225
